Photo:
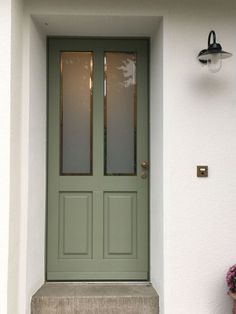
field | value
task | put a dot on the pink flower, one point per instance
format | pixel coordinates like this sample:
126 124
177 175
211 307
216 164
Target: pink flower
231 278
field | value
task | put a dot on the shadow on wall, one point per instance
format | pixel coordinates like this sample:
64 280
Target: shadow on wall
211 84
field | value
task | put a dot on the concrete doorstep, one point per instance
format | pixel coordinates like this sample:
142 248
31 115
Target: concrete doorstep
95 298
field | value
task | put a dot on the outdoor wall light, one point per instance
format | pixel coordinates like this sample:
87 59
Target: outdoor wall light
213 55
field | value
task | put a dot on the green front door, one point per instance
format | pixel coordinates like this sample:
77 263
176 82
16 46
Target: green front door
97 213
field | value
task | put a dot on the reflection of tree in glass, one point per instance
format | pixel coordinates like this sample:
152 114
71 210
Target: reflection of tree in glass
81 61
71 60
128 71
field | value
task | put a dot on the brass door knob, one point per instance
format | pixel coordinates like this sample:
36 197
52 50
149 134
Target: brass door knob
144 164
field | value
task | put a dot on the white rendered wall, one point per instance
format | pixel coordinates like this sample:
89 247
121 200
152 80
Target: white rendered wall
16 247
33 166
5 98
199 128
26 266
37 162
197 237
156 162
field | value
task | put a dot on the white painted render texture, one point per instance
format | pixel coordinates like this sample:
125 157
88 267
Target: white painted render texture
193 116
156 161
5 98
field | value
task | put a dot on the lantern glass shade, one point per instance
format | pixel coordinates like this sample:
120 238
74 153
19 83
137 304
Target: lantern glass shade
214 63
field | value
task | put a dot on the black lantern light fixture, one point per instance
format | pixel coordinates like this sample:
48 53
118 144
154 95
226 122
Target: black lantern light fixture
213 55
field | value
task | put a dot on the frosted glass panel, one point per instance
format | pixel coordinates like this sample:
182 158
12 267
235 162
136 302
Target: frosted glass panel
120 113
76 113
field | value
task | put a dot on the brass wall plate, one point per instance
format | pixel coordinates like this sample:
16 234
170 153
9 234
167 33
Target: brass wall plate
202 171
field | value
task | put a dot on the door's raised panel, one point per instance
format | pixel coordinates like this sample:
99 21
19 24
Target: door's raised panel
75 233
120 225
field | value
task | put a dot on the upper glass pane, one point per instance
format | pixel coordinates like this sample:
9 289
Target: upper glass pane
120 113
76 113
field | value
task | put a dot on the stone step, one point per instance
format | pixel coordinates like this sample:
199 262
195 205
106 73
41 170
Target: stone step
95 298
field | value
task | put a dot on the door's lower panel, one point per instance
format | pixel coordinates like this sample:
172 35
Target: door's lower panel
98 237
120 225
76 225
